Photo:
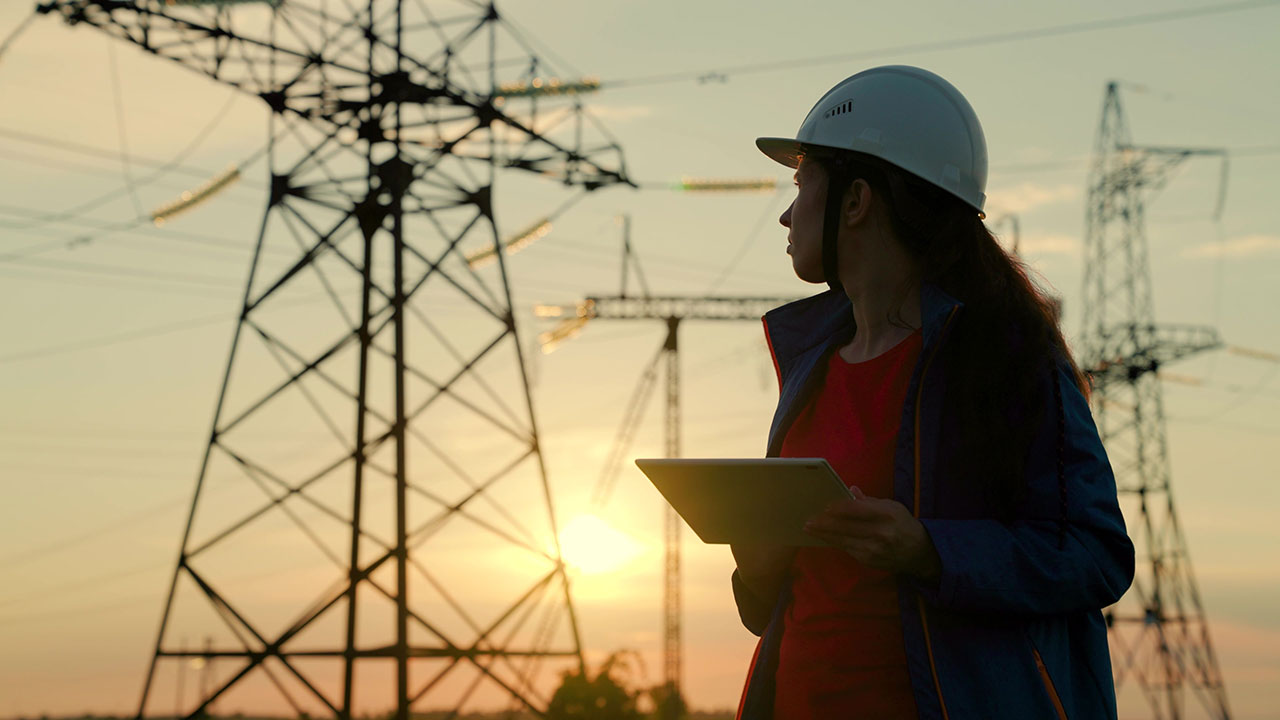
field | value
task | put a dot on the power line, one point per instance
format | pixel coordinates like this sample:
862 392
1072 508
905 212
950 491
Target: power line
93 581
66 445
82 610
1220 423
115 270
22 26
45 161
1246 396
974 41
141 220
177 160
61 615
532 45
81 281
225 254
23 557
66 242
125 471
167 233
136 224
91 343
139 334
760 224
89 150
1068 163
118 102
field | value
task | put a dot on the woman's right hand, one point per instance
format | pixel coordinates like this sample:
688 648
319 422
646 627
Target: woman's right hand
763 567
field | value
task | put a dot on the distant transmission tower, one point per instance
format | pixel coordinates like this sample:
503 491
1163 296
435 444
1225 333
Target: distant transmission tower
376 396
671 310
1158 630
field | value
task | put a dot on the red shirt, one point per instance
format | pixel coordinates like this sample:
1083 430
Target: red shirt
842 653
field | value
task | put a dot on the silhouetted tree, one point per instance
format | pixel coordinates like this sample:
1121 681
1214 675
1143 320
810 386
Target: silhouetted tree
607 696
668 703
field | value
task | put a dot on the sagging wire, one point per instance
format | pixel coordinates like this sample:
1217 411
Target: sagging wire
118 102
161 171
1247 394
22 26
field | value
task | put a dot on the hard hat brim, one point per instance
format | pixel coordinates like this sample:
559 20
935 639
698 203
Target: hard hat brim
786 151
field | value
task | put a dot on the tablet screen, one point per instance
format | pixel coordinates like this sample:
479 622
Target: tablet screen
747 500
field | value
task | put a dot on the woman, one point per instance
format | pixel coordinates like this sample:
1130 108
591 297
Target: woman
966 579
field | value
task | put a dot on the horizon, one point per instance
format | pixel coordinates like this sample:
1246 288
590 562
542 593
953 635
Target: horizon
118 339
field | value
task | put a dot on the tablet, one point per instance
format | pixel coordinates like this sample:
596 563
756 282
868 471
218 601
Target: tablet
747 501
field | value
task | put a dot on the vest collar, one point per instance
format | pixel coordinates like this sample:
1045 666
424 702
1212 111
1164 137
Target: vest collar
801 325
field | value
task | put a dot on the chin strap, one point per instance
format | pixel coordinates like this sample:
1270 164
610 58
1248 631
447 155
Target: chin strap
838 182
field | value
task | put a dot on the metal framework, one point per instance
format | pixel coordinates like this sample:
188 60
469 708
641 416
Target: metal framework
671 309
659 307
1158 630
376 397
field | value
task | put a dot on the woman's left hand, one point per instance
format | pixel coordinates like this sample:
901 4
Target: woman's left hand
878 533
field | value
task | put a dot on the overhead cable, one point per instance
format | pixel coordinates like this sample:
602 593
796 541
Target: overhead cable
22 26
159 172
119 338
81 149
118 102
721 74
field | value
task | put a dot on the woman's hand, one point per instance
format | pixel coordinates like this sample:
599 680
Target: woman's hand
763 567
878 533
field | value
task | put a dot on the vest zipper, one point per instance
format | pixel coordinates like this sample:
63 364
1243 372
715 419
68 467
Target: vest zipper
924 620
1048 684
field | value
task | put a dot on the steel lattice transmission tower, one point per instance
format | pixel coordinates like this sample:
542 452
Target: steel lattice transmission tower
372 528
1158 630
672 310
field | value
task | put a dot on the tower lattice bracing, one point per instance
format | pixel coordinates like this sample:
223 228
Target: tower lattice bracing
1158 631
673 310
372 530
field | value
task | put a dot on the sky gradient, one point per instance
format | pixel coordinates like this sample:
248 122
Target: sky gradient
114 348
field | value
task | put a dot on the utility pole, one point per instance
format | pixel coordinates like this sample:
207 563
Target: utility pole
389 123
671 310
1158 631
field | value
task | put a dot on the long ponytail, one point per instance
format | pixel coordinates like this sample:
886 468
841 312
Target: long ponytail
1004 342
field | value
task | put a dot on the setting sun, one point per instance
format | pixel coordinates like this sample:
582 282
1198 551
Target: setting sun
591 545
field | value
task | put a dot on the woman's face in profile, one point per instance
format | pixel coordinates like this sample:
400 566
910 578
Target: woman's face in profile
803 220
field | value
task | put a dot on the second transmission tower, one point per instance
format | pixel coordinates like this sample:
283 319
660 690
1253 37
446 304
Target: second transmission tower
1158 631
671 310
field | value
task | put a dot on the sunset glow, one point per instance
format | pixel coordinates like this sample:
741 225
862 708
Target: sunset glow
592 546
214 414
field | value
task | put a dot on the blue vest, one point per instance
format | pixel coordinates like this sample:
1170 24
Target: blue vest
1013 628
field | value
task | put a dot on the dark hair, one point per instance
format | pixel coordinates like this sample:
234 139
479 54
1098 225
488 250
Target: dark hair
1004 342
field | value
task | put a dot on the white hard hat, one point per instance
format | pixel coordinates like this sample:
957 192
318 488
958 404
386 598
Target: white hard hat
906 116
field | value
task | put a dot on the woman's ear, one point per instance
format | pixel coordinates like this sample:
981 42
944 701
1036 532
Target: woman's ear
857 203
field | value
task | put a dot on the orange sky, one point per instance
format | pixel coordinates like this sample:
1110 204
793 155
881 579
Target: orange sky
115 347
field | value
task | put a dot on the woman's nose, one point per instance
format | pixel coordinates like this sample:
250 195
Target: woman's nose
785 220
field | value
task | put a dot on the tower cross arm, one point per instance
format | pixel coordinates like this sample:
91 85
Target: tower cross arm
1127 351
681 306
1178 152
1146 166
318 65
204 38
